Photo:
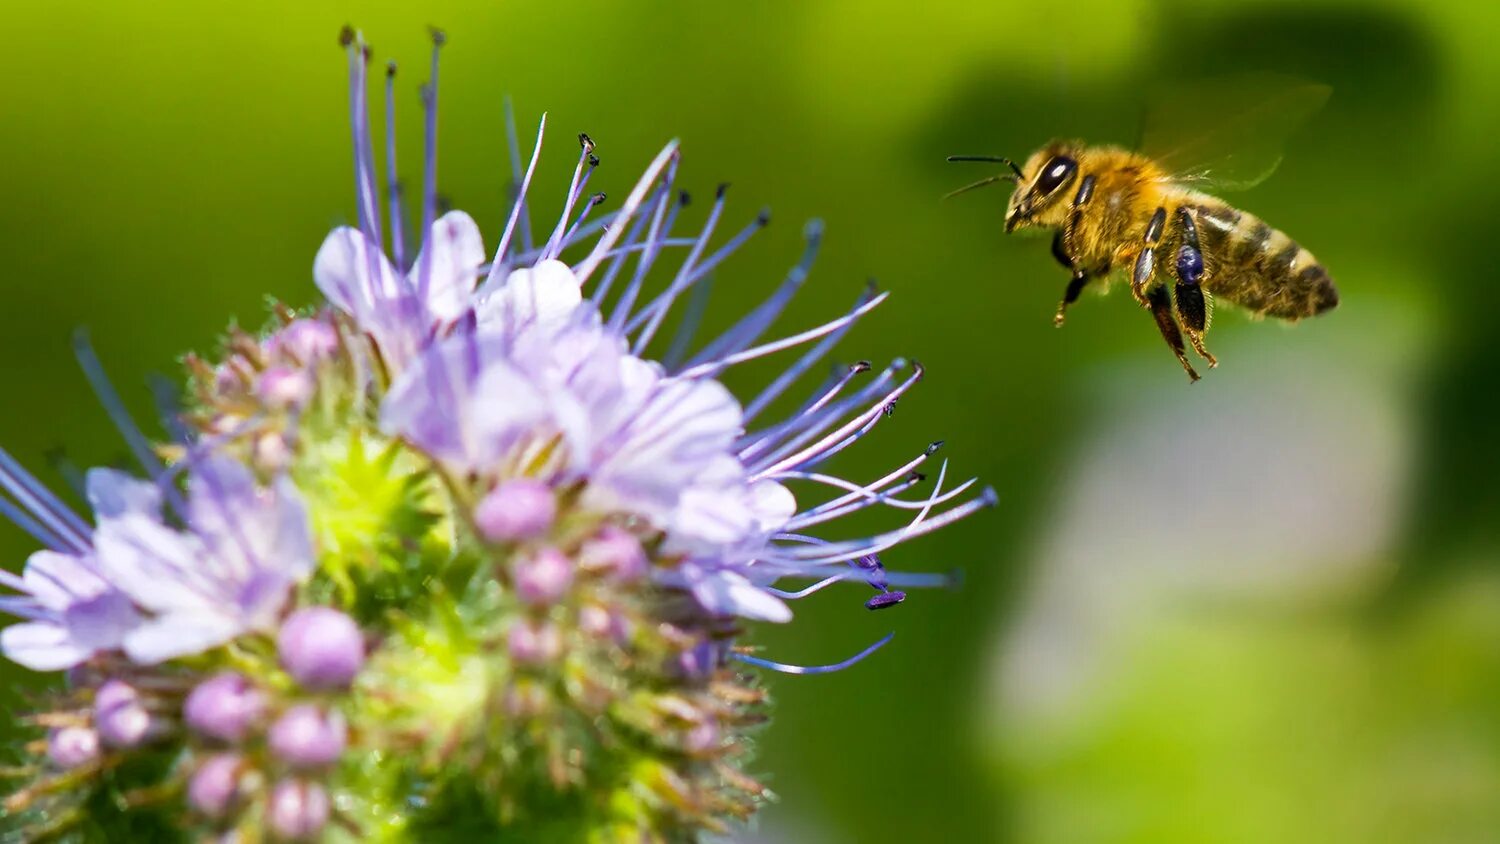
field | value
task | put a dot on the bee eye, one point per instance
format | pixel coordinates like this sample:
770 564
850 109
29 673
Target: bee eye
1054 173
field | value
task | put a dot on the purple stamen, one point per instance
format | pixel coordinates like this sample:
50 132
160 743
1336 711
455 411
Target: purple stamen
884 600
594 202
429 168
554 243
73 532
628 210
393 184
657 310
803 364
662 219
359 119
93 370
863 421
787 668
692 316
755 323
498 265
515 175
713 367
618 256
811 411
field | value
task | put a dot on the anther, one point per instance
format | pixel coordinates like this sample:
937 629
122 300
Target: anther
933 447
719 191
390 69
597 199
860 366
884 600
346 35
439 37
763 218
586 142
683 199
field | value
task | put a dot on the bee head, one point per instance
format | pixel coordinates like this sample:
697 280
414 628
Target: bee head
1040 187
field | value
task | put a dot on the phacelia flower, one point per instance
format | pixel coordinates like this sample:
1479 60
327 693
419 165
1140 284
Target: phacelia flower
476 545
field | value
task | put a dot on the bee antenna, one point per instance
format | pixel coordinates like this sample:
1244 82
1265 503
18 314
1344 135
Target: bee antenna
988 180
992 159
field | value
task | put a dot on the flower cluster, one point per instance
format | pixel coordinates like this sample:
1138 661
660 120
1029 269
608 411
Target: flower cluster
453 554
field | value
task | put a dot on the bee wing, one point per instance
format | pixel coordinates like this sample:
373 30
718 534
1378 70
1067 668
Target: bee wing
1228 133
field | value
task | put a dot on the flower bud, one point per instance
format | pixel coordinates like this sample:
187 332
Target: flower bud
544 577
297 810
307 737
224 707
534 643
303 341
215 784
516 509
615 552
119 716
321 648
284 387
69 747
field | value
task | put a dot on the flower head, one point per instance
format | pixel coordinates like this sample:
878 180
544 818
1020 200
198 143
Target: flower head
477 537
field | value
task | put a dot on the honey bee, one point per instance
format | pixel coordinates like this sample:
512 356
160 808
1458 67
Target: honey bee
1145 214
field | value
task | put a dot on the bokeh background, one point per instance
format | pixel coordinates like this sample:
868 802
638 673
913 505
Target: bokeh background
1265 607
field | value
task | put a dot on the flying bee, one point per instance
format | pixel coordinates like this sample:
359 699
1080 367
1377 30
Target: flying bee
1145 214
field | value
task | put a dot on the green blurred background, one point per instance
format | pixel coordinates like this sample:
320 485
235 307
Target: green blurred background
1265 607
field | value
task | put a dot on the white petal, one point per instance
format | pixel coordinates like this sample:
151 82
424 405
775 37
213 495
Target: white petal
680 432
544 295
159 568
342 270
457 252
57 580
728 593
112 493
177 635
773 505
41 646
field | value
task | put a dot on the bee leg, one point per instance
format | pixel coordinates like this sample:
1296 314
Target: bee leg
1145 262
1189 271
1062 249
1161 308
1075 286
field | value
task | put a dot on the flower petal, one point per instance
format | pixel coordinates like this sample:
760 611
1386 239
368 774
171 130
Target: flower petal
354 277
41 646
452 268
113 493
730 593
544 295
178 634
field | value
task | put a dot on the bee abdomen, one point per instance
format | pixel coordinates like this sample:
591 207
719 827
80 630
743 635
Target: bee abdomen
1261 268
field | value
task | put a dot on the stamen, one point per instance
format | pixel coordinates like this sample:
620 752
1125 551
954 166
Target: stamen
714 367
515 174
575 189
498 265
429 168
658 309
885 599
93 370
364 157
594 202
699 271
632 204
661 224
618 256
58 518
868 418
691 317
905 469
752 325
788 668
169 406
393 184
811 419
806 362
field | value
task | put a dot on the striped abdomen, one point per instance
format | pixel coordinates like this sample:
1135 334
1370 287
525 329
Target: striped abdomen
1258 267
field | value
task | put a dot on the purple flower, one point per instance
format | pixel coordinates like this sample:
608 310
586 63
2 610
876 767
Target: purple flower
544 577
521 363
229 573
321 648
521 508
119 714
70 747
215 784
224 707
136 583
297 810
307 737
